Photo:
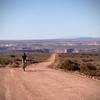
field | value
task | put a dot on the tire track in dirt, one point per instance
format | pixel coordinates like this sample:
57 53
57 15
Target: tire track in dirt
42 83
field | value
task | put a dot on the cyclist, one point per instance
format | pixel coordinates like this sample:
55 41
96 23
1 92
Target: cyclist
24 56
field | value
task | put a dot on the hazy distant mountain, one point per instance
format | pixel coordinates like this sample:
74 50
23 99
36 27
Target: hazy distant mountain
88 38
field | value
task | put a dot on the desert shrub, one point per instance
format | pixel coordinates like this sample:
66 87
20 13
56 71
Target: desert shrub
18 59
90 66
87 60
87 66
88 69
91 59
12 56
4 62
69 65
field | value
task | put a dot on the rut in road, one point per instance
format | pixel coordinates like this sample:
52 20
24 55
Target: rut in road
42 83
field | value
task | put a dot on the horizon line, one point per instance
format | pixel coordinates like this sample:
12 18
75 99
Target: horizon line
49 39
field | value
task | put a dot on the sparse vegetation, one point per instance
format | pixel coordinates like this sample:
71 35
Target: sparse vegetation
69 65
13 58
88 69
88 64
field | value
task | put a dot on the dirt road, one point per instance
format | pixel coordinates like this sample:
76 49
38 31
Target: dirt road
42 83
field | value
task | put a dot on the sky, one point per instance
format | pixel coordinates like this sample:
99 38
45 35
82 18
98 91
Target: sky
49 19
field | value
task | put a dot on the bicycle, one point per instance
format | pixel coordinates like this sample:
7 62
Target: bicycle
24 65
